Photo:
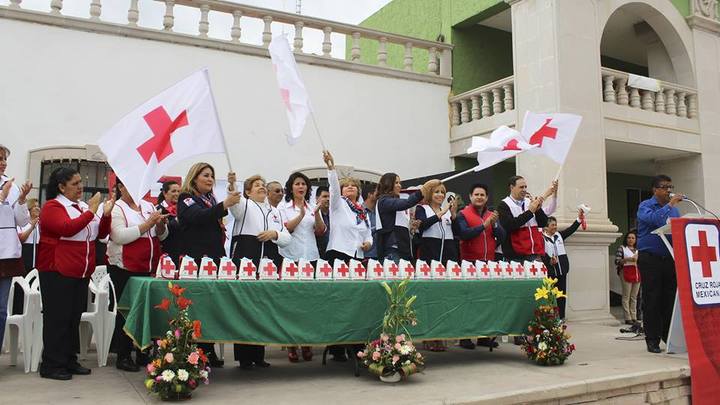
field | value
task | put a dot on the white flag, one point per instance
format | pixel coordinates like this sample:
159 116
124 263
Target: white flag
178 123
504 143
292 89
553 134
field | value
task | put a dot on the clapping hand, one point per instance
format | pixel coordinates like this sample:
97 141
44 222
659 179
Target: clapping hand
108 204
5 191
24 190
94 202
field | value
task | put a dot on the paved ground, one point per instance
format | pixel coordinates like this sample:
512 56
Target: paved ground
455 376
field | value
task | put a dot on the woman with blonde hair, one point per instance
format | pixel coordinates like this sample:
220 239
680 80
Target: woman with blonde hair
201 223
436 226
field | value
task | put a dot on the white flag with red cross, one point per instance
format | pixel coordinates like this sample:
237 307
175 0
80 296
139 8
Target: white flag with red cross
227 270
179 123
407 270
307 271
208 269
294 96
484 271
469 271
454 270
341 271
188 268
518 270
357 270
392 270
422 270
323 270
289 270
532 270
247 270
166 268
375 270
503 143
508 270
551 134
438 270
268 270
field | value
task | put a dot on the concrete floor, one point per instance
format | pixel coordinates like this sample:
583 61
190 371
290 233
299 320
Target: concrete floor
455 376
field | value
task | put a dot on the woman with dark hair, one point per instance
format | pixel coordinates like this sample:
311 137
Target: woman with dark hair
303 222
66 260
392 216
555 257
626 257
133 251
201 223
13 214
167 205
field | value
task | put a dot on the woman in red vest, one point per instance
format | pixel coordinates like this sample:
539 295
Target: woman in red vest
133 250
66 259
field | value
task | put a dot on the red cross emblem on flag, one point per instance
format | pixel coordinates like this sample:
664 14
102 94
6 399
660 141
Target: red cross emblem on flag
545 131
393 269
249 269
326 270
378 270
270 269
162 128
167 266
360 270
424 269
191 267
533 270
485 270
291 269
343 270
308 270
210 268
229 268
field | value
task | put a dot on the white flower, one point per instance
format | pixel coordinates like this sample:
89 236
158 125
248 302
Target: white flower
542 346
168 375
405 350
203 374
183 375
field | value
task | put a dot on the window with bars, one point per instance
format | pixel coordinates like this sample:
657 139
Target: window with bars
94 175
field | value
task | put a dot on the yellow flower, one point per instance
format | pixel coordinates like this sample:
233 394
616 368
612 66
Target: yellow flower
557 293
549 281
541 293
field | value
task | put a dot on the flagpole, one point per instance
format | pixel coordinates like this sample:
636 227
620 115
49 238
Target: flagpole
557 175
456 175
217 116
317 130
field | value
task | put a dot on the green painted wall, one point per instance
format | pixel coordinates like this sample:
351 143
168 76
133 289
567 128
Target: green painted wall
482 55
617 186
683 6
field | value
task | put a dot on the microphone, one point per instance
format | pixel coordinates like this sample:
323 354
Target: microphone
684 197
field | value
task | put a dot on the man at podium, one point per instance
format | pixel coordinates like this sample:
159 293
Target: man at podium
655 262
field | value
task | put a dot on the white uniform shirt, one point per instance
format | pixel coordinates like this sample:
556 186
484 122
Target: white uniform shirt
12 215
303 244
346 235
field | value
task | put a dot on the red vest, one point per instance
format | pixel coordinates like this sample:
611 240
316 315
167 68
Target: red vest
528 239
143 254
481 247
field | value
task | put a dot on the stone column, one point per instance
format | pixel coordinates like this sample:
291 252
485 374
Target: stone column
557 69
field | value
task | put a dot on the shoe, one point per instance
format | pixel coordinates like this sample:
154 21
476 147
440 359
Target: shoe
262 364
629 322
653 347
467 344
293 356
246 366
307 354
141 359
57 374
214 361
77 369
341 358
127 364
487 342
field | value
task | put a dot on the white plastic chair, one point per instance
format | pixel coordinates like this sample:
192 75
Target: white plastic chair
20 326
108 314
91 321
37 330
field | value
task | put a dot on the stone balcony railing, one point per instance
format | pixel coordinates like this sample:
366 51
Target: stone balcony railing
485 101
672 99
439 69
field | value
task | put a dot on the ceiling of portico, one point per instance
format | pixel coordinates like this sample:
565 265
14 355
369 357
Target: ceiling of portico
620 39
501 21
632 158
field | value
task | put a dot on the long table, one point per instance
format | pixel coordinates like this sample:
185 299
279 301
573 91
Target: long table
295 313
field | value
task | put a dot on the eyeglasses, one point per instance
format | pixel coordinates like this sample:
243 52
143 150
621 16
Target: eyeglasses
667 187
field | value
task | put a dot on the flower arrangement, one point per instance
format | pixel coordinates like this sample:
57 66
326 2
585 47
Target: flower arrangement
179 365
547 342
393 353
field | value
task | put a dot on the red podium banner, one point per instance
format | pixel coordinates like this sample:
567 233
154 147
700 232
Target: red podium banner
696 244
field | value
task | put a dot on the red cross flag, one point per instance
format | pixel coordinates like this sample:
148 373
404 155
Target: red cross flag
179 123
552 134
292 89
503 143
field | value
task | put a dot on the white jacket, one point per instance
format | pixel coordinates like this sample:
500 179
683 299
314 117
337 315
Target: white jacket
12 216
252 217
346 235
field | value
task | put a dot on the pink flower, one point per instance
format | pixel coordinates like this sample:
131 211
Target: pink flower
395 359
361 354
169 358
192 383
150 368
193 358
177 333
398 346
400 338
158 378
384 337
376 356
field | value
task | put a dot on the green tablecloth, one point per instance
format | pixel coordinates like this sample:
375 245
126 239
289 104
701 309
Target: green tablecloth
323 312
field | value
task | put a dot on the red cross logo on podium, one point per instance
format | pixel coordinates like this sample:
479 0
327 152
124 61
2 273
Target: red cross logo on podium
249 269
308 270
409 270
360 270
210 268
533 270
485 270
498 270
544 270
440 269
269 269
424 269
705 254
326 270
228 268
343 270
167 265
457 271
292 269
393 269
378 270
509 270
520 270
162 128
471 270
191 268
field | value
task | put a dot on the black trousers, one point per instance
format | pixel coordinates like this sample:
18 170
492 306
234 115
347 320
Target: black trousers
562 286
658 286
248 354
121 342
337 350
64 300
